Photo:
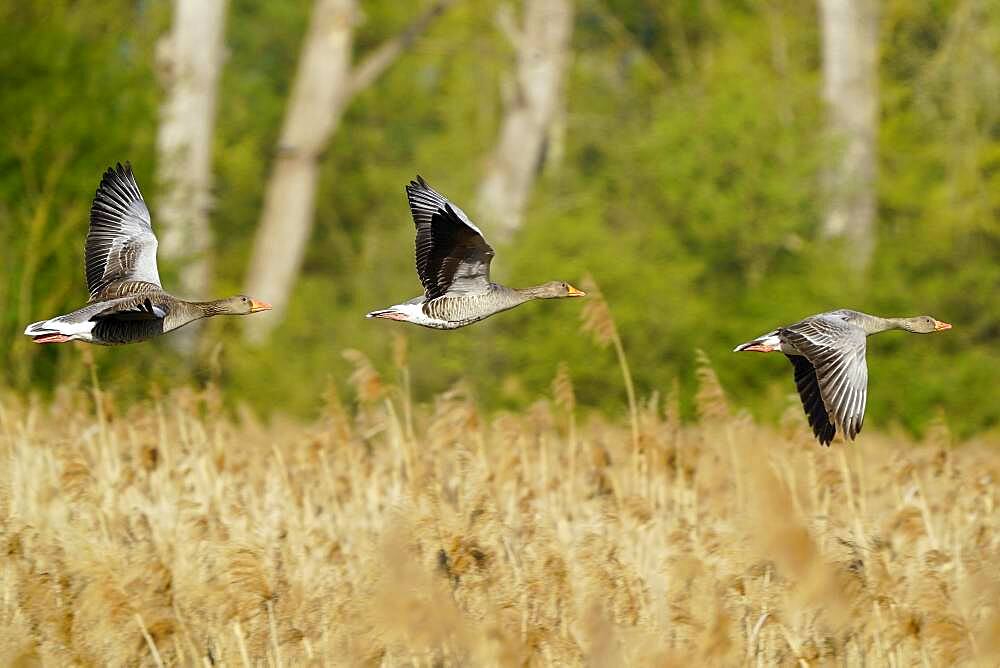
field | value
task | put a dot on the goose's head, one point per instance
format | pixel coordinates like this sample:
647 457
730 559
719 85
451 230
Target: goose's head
242 305
923 324
556 290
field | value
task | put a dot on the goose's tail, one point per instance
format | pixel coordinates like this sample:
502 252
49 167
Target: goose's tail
56 330
388 313
767 343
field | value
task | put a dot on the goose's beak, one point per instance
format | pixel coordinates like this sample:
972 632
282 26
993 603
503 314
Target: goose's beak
941 326
256 306
573 292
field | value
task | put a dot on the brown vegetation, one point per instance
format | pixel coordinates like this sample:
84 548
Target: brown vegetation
387 534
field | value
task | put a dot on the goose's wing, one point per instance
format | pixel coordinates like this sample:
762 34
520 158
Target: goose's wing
812 403
138 307
452 254
835 351
131 319
121 246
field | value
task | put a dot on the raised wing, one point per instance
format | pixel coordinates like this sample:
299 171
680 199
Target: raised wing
121 246
835 351
452 255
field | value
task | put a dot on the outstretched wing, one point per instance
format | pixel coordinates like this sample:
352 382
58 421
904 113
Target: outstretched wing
121 246
812 403
452 255
835 351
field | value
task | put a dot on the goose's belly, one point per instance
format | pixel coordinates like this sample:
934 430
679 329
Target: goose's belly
452 313
113 332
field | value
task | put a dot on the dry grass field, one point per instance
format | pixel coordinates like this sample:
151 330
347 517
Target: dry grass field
175 533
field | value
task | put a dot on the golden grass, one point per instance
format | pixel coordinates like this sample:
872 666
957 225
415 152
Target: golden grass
387 534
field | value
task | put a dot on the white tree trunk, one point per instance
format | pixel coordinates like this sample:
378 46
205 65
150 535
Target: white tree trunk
542 46
324 85
314 110
191 58
850 89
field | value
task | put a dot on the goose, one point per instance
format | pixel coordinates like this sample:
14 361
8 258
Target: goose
453 263
127 303
827 351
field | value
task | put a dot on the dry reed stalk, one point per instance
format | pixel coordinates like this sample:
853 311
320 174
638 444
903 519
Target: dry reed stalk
95 387
565 398
269 543
598 321
365 379
401 359
149 641
711 398
272 627
925 512
859 534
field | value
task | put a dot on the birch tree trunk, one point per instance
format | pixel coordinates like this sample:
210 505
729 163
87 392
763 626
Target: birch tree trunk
542 46
324 85
850 89
190 58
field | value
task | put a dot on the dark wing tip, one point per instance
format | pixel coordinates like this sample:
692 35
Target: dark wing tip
118 182
418 184
119 170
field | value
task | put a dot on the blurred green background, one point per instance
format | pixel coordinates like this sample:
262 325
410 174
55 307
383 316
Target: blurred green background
688 184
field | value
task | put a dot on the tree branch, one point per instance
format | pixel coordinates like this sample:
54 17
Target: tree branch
507 23
379 60
619 30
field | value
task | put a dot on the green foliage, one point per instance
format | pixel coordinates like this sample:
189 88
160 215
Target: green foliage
686 182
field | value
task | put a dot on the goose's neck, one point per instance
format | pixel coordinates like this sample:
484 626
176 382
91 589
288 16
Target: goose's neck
530 293
209 308
875 324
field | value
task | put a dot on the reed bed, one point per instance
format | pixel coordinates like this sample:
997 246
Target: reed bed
387 534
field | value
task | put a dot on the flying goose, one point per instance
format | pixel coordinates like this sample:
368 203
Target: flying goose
453 263
127 303
831 374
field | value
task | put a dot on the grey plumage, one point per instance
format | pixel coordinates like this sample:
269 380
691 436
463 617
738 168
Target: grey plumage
121 246
468 308
834 346
127 303
828 354
453 264
452 255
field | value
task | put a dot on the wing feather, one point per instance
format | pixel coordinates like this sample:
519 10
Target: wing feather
452 255
812 403
835 351
121 246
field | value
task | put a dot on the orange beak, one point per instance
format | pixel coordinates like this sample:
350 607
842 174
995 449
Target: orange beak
941 326
573 292
256 306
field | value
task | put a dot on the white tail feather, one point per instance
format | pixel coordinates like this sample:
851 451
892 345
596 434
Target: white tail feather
79 330
770 339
